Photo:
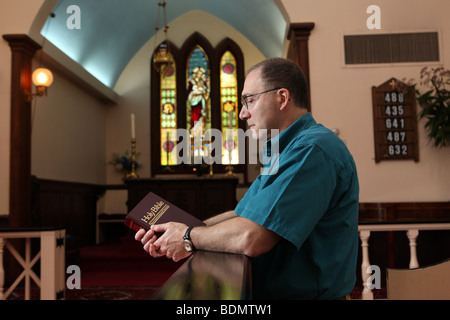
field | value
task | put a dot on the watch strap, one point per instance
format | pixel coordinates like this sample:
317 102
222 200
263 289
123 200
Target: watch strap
189 246
187 235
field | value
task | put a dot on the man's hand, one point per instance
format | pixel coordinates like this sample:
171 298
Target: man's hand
147 239
169 244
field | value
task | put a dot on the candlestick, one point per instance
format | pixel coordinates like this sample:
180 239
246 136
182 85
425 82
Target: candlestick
133 173
211 173
167 167
133 129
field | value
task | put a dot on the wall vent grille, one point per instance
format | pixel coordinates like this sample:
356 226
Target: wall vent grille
391 48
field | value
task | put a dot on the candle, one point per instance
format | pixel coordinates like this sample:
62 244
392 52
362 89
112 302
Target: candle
133 130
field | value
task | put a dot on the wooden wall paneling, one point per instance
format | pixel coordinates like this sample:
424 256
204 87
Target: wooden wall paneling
404 211
70 205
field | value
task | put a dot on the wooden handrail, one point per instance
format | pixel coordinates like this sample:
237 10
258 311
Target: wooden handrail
209 276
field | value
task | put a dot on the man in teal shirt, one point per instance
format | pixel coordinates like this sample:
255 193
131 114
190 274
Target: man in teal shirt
299 219
312 203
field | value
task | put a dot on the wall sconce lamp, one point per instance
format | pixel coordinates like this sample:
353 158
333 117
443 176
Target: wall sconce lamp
42 79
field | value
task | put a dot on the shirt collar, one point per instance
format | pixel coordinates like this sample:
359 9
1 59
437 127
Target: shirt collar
279 142
285 137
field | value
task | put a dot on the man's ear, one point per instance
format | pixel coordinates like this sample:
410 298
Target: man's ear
284 98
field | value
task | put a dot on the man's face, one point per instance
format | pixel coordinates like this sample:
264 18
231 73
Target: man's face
262 108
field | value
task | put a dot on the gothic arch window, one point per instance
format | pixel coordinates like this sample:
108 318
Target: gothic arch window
199 91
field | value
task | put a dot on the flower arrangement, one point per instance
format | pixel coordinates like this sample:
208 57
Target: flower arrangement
122 162
435 104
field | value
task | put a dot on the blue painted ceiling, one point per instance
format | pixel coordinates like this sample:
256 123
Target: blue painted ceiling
112 31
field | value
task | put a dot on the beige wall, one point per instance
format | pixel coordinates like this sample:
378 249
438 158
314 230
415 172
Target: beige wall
341 96
75 134
68 134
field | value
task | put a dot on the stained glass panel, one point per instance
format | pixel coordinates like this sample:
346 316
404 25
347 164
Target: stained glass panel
168 112
198 104
229 108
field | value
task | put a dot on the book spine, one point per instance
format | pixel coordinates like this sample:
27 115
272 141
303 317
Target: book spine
133 225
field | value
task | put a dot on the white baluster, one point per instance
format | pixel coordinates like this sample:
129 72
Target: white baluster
412 236
364 235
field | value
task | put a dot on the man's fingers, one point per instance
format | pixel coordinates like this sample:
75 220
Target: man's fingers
154 251
159 227
138 236
148 236
149 242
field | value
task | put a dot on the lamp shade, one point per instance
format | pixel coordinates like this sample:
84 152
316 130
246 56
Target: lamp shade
42 77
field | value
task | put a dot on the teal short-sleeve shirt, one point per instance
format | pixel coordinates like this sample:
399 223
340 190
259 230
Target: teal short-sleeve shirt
311 200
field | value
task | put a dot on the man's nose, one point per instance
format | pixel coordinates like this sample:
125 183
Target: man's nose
244 114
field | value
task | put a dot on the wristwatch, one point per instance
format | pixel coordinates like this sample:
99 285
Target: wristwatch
188 245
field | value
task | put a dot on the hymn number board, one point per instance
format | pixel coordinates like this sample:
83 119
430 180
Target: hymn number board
395 121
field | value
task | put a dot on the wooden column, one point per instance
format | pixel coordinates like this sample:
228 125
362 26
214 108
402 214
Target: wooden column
23 49
298 52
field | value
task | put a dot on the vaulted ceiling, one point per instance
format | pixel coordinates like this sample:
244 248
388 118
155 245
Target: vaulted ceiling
112 31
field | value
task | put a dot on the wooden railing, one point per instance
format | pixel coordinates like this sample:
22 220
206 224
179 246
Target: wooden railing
412 232
51 256
209 276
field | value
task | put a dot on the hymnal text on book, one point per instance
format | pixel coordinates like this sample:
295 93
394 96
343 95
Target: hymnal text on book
155 210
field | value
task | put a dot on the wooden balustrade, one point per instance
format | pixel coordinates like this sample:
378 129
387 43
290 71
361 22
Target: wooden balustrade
51 256
412 232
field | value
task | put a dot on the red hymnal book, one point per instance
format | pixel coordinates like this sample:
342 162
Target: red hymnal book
155 210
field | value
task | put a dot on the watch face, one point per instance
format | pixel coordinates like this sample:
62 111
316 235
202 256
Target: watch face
188 245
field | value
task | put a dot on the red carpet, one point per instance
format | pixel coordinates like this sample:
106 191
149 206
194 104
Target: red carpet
120 271
123 264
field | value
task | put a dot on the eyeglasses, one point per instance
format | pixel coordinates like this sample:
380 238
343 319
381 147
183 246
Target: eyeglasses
249 103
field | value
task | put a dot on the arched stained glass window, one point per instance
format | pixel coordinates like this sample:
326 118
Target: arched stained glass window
229 108
198 102
168 112
203 85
